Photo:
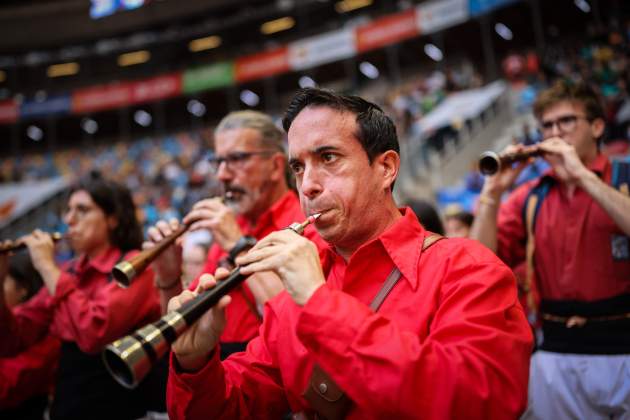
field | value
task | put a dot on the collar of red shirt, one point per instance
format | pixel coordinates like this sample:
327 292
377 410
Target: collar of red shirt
102 263
402 242
279 215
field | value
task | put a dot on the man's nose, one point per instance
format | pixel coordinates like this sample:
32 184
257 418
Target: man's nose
224 173
311 183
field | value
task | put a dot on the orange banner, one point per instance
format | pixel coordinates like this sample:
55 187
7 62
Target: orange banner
259 66
8 111
101 98
387 30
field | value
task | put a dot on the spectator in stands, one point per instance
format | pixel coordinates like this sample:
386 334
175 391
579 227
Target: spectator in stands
26 379
579 223
457 222
250 163
427 215
450 341
82 306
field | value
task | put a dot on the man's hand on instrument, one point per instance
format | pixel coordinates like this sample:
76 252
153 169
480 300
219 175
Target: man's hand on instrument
193 346
564 160
214 215
292 257
497 184
168 266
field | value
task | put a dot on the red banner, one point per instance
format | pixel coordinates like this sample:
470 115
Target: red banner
101 98
157 88
387 30
8 111
259 66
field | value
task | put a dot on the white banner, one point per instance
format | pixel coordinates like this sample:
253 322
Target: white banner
322 49
436 15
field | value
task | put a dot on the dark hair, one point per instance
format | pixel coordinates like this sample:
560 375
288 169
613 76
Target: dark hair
462 216
115 200
376 131
428 216
565 90
22 270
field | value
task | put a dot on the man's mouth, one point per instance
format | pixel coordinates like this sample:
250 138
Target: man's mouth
233 193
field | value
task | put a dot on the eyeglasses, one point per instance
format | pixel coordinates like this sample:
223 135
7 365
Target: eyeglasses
566 124
80 211
234 160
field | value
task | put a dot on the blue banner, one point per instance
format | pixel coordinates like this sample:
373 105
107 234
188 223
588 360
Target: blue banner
480 7
54 105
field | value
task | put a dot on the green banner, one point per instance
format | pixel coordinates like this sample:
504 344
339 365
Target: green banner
209 77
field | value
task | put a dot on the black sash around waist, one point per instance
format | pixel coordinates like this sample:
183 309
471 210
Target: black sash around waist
85 390
597 327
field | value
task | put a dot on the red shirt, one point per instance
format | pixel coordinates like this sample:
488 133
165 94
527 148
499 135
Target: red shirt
450 340
573 257
242 324
88 307
30 373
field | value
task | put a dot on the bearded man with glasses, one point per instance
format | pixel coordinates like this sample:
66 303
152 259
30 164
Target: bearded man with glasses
571 228
250 163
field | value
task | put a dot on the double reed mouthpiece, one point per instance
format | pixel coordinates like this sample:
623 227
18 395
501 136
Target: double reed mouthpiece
131 358
490 162
18 244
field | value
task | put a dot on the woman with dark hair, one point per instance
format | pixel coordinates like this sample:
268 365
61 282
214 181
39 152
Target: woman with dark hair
82 305
26 379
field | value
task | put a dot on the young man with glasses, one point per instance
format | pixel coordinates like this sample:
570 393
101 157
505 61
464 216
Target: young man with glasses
250 163
571 228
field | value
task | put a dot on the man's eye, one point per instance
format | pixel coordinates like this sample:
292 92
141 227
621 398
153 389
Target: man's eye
296 168
328 157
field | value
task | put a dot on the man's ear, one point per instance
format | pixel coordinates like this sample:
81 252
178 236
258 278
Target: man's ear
597 127
389 164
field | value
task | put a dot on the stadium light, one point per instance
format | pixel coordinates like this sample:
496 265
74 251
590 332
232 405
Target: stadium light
34 133
306 81
196 108
133 58
3 76
503 31
369 70
249 98
142 118
64 69
583 5
203 44
433 52
277 25
89 125
346 6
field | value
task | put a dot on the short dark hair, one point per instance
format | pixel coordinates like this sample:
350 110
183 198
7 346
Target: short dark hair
565 90
115 200
25 275
376 131
464 217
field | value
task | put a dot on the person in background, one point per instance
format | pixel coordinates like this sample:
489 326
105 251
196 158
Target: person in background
457 222
250 163
26 379
571 227
427 215
82 306
388 321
